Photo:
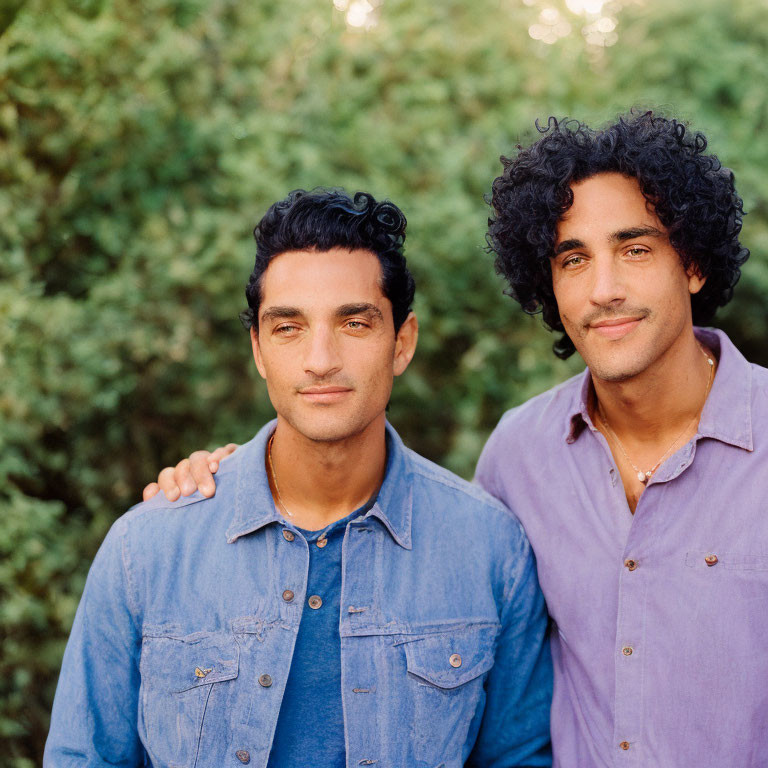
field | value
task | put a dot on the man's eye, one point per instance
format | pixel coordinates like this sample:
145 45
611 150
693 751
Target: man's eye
355 325
637 251
573 261
285 329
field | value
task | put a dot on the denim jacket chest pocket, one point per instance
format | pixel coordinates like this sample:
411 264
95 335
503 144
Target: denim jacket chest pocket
185 680
446 671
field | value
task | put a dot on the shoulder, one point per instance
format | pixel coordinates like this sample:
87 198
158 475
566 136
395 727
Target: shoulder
457 500
437 480
522 431
526 435
159 520
154 542
546 410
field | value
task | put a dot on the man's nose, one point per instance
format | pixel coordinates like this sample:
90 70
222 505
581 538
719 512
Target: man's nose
608 281
322 356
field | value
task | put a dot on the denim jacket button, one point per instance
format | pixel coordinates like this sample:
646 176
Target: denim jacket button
322 541
288 535
243 756
455 660
264 681
315 602
288 595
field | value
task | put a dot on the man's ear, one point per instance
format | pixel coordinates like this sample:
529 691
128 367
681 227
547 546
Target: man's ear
405 343
695 279
257 352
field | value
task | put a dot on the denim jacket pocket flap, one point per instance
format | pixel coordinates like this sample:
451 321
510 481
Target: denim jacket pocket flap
177 664
453 658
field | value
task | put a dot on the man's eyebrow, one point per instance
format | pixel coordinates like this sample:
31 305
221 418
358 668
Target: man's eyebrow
364 308
280 313
568 245
628 234
615 237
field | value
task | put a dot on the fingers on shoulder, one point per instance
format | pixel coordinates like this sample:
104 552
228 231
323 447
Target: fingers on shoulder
200 470
167 482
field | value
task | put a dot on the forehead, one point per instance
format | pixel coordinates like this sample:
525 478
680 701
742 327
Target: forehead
607 202
322 278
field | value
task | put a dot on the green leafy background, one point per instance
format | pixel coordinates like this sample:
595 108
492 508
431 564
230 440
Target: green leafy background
141 140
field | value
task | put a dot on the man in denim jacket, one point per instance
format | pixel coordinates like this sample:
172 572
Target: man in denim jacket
340 601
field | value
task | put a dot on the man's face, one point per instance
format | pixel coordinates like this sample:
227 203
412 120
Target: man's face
326 343
622 292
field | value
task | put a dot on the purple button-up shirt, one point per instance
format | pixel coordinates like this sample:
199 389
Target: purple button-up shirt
660 619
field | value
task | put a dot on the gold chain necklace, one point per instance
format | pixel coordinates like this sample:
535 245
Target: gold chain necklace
274 476
644 477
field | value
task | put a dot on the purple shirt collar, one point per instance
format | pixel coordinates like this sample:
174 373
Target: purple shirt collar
727 414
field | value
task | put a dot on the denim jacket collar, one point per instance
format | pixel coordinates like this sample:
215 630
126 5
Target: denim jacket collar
255 508
394 504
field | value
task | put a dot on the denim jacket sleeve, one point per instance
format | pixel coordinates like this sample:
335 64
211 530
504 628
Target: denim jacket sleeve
95 709
515 727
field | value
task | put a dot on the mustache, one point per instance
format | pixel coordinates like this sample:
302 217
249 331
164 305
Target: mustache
606 313
344 383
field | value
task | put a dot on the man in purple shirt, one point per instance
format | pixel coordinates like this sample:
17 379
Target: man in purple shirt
641 483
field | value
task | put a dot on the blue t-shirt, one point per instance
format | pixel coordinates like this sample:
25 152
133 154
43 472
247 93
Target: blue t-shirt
310 727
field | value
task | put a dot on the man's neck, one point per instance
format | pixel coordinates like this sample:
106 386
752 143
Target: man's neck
647 418
661 400
314 483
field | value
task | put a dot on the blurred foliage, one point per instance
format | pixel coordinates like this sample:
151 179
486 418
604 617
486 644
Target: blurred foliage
142 139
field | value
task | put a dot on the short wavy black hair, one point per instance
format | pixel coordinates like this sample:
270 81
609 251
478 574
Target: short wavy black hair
692 194
326 218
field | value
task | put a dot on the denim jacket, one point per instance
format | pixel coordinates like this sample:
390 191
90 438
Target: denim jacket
183 639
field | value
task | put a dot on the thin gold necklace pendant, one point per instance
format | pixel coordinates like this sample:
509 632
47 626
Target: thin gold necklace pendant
274 476
644 477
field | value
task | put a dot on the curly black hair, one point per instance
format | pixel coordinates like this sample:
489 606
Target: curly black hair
692 194
326 218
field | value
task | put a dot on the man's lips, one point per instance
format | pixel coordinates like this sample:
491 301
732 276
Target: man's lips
615 327
324 394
